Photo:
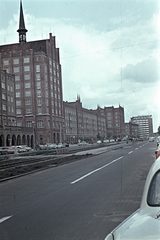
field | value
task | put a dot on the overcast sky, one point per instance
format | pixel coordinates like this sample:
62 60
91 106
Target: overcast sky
109 49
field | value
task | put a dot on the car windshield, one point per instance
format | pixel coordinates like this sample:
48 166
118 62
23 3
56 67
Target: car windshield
154 191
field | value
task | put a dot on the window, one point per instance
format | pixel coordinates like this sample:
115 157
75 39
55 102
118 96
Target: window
38 76
16 61
38 93
3 85
3 96
18 94
4 107
26 68
29 124
17 85
27 93
17 78
26 59
18 103
39 110
153 198
28 101
28 85
40 124
19 124
27 77
28 110
16 69
18 111
5 62
9 98
39 101
37 68
38 85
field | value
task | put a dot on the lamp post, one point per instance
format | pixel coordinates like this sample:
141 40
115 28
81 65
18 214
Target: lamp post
33 128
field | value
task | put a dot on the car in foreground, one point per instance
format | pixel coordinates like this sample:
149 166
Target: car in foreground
144 224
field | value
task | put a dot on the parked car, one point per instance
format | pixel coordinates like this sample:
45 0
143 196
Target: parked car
105 141
151 139
99 141
158 141
51 146
144 224
10 150
21 149
60 145
66 144
82 143
3 151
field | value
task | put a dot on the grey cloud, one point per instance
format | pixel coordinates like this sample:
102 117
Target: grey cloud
145 71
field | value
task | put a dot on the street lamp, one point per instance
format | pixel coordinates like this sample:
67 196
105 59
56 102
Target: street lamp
33 128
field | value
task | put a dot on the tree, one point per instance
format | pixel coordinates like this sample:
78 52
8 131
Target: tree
159 130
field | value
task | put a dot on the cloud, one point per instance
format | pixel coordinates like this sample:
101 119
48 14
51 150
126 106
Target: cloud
144 72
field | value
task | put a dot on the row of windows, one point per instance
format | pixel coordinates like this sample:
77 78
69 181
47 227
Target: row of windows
9 87
10 108
39 110
16 61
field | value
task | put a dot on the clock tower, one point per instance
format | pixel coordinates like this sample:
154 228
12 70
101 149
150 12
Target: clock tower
22 30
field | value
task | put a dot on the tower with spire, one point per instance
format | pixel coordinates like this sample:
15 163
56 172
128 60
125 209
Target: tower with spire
22 30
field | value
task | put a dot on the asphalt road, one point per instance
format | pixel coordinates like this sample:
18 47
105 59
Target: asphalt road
83 200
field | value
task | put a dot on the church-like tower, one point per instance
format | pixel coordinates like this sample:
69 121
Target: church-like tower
22 30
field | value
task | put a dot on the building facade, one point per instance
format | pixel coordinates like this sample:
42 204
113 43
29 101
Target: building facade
92 125
145 125
10 133
38 84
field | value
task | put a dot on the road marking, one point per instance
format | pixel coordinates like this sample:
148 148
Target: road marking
130 152
4 219
136 149
96 170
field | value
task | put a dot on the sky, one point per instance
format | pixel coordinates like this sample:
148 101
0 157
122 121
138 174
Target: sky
109 49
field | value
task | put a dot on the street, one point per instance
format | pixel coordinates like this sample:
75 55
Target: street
82 200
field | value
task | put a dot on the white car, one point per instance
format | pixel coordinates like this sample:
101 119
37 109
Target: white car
144 224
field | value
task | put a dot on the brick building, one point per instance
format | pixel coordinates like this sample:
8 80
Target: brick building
92 125
38 84
10 134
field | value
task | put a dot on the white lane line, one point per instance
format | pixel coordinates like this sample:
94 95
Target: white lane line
96 170
4 219
130 152
136 149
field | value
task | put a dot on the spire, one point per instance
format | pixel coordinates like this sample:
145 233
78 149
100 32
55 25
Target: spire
22 30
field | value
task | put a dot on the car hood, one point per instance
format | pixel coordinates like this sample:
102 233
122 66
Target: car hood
138 227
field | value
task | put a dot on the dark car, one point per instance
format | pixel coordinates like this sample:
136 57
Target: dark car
3 150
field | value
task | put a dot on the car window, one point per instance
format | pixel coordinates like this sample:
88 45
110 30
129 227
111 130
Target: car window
154 191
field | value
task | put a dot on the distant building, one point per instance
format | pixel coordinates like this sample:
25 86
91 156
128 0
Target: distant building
145 125
92 125
38 84
115 122
132 130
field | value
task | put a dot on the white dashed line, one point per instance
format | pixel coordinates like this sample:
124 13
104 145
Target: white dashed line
4 219
96 170
130 152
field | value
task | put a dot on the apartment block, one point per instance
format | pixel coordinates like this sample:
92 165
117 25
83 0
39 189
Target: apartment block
38 84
